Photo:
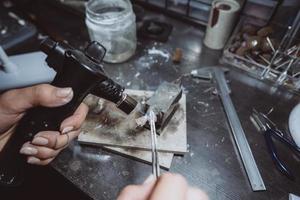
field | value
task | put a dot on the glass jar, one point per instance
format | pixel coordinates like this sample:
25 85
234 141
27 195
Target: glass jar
112 24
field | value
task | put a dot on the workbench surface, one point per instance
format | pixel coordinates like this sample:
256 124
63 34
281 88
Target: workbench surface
212 163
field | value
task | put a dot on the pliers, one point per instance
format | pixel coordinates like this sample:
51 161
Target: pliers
269 129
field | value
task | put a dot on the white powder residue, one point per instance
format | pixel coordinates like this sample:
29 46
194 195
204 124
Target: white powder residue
155 51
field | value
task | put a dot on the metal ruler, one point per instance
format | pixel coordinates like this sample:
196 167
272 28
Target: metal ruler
253 173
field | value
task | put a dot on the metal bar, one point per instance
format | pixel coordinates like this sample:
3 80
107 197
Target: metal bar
281 44
238 133
295 29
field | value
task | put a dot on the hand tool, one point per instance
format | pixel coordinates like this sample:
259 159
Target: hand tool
276 53
155 159
218 75
80 70
284 74
269 129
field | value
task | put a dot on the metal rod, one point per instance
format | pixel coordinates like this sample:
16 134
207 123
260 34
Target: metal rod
238 133
271 45
284 74
295 28
281 65
269 67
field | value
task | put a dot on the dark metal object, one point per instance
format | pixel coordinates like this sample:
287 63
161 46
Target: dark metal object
269 129
83 72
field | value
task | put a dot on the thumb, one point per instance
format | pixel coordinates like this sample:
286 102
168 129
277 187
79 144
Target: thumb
19 100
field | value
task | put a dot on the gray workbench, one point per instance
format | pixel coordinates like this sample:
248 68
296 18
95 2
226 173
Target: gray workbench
212 163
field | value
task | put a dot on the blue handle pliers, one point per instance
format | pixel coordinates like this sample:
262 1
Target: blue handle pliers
269 129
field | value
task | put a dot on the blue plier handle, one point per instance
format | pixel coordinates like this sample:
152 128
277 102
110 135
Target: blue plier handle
269 129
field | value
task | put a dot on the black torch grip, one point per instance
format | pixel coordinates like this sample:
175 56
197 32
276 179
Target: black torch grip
12 163
74 70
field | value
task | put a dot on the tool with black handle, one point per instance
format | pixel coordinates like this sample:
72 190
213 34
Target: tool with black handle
80 70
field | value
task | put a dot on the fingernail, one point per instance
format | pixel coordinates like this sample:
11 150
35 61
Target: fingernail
65 93
40 141
67 129
33 160
28 151
149 179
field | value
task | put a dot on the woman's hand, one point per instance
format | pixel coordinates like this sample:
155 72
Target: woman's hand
45 145
167 187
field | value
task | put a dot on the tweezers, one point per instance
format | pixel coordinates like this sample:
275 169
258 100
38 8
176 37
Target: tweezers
155 160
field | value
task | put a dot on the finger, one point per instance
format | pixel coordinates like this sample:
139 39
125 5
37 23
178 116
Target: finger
53 139
170 182
138 192
46 139
19 100
75 121
40 152
196 194
36 161
64 140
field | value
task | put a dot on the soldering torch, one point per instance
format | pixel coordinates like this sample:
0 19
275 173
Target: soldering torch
80 70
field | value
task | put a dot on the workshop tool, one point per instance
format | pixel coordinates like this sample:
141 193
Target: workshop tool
84 73
267 70
155 159
218 75
269 129
283 75
295 30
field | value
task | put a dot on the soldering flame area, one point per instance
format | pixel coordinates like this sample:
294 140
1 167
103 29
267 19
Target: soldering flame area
147 129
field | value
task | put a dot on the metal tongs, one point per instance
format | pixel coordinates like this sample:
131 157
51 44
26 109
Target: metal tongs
269 129
155 160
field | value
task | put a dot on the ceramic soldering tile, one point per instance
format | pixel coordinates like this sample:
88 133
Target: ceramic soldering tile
110 127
